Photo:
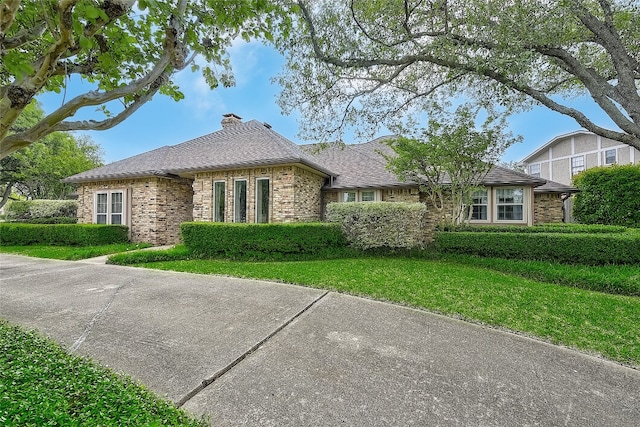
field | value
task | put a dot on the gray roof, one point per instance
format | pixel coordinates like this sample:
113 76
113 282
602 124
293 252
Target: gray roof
241 145
555 187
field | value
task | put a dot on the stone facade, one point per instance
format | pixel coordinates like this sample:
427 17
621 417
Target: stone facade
547 208
294 193
154 207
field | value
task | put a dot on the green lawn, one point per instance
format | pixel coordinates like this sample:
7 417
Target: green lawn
592 321
71 253
42 385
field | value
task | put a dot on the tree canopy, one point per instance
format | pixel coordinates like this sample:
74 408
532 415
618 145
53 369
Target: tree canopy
126 50
358 62
35 171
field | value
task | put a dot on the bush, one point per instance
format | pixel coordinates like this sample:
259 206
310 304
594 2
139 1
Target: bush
53 220
608 195
19 234
213 239
26 210
542 228
579 248
381 224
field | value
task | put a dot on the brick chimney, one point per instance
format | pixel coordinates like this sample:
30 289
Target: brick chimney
230 120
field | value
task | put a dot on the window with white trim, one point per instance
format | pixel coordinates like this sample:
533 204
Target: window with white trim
610 156
360 196
510 204
577 164
110 207
240 201
262 200
480 206
218 201
534 170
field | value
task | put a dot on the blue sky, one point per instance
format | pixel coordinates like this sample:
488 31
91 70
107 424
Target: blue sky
163 121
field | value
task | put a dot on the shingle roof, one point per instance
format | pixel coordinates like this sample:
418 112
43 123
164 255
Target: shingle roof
555 187
247 144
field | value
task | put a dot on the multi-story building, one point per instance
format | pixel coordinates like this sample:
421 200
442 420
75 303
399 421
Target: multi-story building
566 155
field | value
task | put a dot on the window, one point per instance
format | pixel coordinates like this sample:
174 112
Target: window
262 200
577 164
218 201
368 196
534 170
240 201
360 196
110 207
349 196
510 204
610 156
480 205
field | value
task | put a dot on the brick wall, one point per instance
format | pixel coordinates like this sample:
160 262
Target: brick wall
547 208
294 193
155 206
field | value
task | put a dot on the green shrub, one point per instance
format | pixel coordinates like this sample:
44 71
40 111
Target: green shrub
579 248
608 195
20 234
542 228
53 220
381 224
24 210
213 239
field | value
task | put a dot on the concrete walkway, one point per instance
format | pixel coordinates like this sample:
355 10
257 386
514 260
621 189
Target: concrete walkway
250 352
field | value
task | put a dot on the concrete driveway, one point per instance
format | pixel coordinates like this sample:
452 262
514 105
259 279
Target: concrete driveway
249 352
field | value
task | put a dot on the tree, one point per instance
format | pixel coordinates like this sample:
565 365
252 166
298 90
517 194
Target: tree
450 160
35 171
126 53
372 61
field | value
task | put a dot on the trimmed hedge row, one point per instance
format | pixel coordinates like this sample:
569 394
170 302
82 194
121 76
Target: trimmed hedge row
543 228
392 225
211 239
20 234
579 248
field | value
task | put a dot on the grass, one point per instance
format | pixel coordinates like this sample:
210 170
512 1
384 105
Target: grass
595 322
42 385
71 253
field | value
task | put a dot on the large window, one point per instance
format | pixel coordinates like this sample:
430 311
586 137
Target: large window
610 156
262 200
510 204
480 205
218 201
577 164
240 201
110 207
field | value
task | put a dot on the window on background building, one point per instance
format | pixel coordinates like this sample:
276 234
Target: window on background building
218 201
109 207
577 164
368 196
610 156
480 205
349 196
262 200
534 170
510 204
240 201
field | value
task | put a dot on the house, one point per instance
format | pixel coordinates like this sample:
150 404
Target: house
247 172
566 155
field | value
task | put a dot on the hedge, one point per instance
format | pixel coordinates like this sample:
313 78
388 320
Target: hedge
608 195
25 210
579 248
381 224
20 234
542 228
214 239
